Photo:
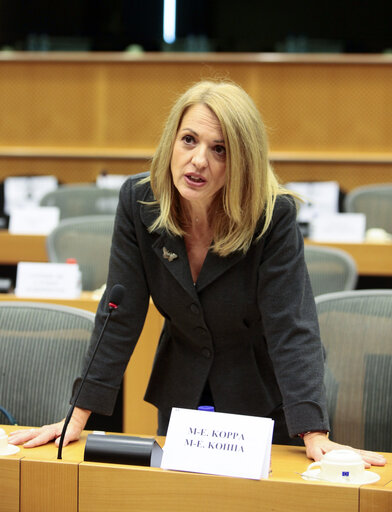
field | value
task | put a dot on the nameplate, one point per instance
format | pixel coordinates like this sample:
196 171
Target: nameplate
23 191
218 444
338 227
318 198
40 220
48 280
111 180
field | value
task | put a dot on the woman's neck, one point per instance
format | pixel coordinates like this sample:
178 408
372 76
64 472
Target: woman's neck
198 237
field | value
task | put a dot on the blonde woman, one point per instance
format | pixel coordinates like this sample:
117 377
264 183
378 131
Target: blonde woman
211 236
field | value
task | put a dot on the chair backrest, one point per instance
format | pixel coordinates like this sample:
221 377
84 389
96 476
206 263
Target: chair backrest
330 270
375 201
85 199
42 348
356 330
88 240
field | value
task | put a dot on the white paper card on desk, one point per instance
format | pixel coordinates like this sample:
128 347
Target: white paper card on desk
23 191
38 220
48 280
218 444
111 180
319 197
338 227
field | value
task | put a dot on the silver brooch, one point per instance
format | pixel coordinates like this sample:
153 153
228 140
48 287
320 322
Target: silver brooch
169 255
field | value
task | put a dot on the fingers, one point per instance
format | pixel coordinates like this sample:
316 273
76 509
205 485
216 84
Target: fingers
45 435
71 434
317 446
30 438
21 436
372 458
315 453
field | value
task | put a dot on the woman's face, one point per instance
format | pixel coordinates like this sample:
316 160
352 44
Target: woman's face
198 162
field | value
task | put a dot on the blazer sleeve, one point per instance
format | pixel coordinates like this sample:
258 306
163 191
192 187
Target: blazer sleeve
290 322
124 327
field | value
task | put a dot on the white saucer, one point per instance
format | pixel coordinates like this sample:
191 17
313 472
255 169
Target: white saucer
10 450
368 477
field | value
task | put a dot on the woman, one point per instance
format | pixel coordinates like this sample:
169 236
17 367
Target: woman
213 239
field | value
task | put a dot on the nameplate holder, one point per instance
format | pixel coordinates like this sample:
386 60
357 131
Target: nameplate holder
48 280
218 443
120 449
38 220
338 227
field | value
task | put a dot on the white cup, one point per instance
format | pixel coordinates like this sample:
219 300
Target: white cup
3 441
345 466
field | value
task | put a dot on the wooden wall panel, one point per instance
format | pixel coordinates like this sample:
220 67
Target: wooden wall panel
78 114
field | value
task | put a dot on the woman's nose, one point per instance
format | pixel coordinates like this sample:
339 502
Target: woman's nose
199 158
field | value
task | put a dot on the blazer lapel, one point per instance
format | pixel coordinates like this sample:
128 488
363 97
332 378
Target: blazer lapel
172 253
214 266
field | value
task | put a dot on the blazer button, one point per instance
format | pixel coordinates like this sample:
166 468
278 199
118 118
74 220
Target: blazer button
206 352
195 309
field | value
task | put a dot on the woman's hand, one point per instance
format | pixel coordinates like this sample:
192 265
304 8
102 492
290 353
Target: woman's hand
30 438
317 443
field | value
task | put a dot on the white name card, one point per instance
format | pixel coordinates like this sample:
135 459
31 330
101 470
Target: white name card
338 227
111 180
320 197
218 443
48 280
20 191
39 220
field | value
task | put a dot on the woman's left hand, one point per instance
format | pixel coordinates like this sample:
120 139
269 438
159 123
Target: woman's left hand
317 443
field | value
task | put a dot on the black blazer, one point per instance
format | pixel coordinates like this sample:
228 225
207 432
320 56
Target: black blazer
248 325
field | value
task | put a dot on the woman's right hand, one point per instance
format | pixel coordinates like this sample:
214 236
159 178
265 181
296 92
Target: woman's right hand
30 438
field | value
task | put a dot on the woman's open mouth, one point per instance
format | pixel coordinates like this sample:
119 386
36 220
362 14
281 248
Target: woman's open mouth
194 180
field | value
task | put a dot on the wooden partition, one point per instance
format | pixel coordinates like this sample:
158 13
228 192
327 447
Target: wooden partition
77 114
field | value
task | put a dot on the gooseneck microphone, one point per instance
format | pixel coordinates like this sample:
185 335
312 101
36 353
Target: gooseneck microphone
115 297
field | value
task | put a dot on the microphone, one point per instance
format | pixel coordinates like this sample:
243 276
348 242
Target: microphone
115 297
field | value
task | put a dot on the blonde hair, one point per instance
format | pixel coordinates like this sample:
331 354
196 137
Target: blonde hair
251 187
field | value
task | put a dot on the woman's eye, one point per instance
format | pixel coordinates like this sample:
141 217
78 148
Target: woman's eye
188 139
220 150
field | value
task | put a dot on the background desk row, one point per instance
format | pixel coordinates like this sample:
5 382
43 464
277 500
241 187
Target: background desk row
371 259
34 480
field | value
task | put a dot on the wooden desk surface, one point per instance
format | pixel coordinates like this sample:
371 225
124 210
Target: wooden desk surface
86 301
372 259
109 487
15 248
49 484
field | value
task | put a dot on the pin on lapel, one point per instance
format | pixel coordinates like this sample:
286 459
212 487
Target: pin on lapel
169 255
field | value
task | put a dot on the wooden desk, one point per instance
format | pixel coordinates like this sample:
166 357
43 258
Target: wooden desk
47 484
371 259
86 301
15 248
106 488
376 499
109 487
9 480
35 481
